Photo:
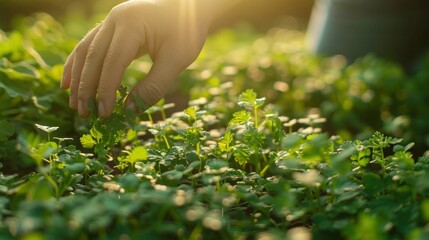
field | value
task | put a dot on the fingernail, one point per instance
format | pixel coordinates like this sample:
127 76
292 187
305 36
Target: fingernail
101 109
71 103
81 108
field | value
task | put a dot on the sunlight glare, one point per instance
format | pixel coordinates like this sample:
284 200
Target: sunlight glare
187 19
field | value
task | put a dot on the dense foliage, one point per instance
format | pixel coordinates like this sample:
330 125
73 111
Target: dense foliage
274 143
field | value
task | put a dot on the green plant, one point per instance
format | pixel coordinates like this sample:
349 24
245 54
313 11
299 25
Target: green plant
231 165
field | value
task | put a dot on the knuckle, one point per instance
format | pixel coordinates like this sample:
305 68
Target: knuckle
133 7
85 91
106 91
113 58
119 11
116 10
74 79
153 92
93 53
80 50
82 93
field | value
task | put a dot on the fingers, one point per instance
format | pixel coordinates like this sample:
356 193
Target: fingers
96 66
66 79
122 51
98 62
73 67
149 91
91 68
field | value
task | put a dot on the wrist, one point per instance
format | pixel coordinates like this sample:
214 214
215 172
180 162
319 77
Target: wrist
208 9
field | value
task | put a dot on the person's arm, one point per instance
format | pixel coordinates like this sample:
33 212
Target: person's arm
172 32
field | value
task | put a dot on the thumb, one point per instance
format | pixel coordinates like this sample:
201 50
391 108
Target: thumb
153 88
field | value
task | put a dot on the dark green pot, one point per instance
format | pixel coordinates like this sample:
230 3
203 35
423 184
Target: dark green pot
394 29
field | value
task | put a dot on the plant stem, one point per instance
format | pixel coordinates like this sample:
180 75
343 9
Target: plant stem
383 163
150 118
164 116
198 151
53 183
264 170
255 113
166 141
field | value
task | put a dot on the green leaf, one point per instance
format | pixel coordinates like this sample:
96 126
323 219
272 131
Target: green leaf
292 140
16 84
193 135
23 70
42 190
363 156
44 150
253 137
129 182
240 117
6 130
249 99
87 141
378 140
137 154
409 146
191 112
341 162
97 135
131 135
369 226
191 167
400 148
76 167
372 184
405 160
259 102
242 154
173 175
225 141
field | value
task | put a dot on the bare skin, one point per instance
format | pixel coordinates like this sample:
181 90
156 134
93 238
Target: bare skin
172 33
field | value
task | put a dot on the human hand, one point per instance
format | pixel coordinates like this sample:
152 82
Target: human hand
171 32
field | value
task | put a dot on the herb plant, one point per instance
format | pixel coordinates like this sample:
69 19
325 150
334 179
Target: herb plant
231 164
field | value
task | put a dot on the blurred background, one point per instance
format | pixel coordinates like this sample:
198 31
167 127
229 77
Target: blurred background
261 14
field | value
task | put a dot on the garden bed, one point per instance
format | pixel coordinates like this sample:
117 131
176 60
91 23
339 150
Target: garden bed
274 143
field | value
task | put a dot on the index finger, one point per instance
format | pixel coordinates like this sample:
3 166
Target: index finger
91 71
123 49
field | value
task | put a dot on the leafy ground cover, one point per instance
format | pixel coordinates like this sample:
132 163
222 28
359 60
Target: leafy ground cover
273 143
